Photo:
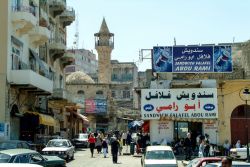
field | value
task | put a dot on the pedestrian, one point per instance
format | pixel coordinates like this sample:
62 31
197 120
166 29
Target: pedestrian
120 146
91 141
188 147
129 138
238 145
226 162
98 144
207 149
226 147
104 147
114 150
201 149
124 138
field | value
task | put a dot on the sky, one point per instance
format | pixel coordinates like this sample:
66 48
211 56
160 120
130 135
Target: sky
142 24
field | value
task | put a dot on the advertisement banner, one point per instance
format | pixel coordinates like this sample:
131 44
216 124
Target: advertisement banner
192 59
96 106
179 103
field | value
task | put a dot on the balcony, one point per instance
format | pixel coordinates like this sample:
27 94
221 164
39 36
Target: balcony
23 19
27 79
44 18
100 43
39 35
57 7
67 59
67 17
57 47
61 94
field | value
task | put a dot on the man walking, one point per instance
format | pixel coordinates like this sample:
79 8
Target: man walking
114 150
188 147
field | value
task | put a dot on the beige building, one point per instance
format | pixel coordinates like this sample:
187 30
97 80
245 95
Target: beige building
233 115
33 45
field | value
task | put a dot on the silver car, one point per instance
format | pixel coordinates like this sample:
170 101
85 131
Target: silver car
61 148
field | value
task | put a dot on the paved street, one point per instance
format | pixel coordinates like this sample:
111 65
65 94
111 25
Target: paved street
83 159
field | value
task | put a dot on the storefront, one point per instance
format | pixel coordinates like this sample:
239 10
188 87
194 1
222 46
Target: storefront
172 113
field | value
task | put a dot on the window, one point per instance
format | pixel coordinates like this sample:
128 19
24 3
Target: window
99 92
126 94
22 159
80 92
113 94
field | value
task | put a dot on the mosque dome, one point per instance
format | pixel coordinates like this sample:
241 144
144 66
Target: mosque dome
79 77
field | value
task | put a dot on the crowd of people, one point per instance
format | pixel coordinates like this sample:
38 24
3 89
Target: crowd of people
115 140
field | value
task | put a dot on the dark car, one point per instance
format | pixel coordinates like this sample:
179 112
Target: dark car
31 157
11 144
81 140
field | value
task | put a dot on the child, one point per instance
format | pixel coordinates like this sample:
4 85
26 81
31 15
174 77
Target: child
120 146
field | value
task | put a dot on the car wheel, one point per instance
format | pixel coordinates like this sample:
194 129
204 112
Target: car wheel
72 158
67 159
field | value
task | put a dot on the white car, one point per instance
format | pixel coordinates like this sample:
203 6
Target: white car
239 153
61 148
81 140
159 156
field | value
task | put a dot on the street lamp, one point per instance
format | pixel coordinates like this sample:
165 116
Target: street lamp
245 96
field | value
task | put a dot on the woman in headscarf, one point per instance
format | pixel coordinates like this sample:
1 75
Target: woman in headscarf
98 144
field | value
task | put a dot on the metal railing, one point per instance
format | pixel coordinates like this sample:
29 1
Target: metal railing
57 39
24 66
68 12
29 9
105 43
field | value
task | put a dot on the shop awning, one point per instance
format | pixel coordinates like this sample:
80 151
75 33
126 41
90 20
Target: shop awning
44 119
47 120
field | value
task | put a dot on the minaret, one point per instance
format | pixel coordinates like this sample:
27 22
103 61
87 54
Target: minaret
104 44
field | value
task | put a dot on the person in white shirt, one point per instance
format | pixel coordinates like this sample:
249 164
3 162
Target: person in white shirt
124 138
238 145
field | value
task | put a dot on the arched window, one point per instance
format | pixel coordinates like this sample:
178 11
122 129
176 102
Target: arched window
80 92
99 92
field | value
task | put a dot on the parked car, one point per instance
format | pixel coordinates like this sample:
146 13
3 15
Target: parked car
239 153
234 164
199 162
11 144
81 140
159 156
30 156
61 148
19 165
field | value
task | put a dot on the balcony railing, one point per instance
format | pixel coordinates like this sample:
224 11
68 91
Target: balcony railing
60 40
43 72
104 43
29 9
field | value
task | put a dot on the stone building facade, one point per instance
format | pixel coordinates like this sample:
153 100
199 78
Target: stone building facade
85 61
33 45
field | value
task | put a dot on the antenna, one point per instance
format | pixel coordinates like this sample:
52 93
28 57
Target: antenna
174 41
76 40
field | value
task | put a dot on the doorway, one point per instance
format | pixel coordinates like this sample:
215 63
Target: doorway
182 128
239 122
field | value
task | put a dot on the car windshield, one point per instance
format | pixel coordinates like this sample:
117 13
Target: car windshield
83 136
57 144
7 145
159 154
4 158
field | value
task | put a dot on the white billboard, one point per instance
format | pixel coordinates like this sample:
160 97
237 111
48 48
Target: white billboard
179 103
